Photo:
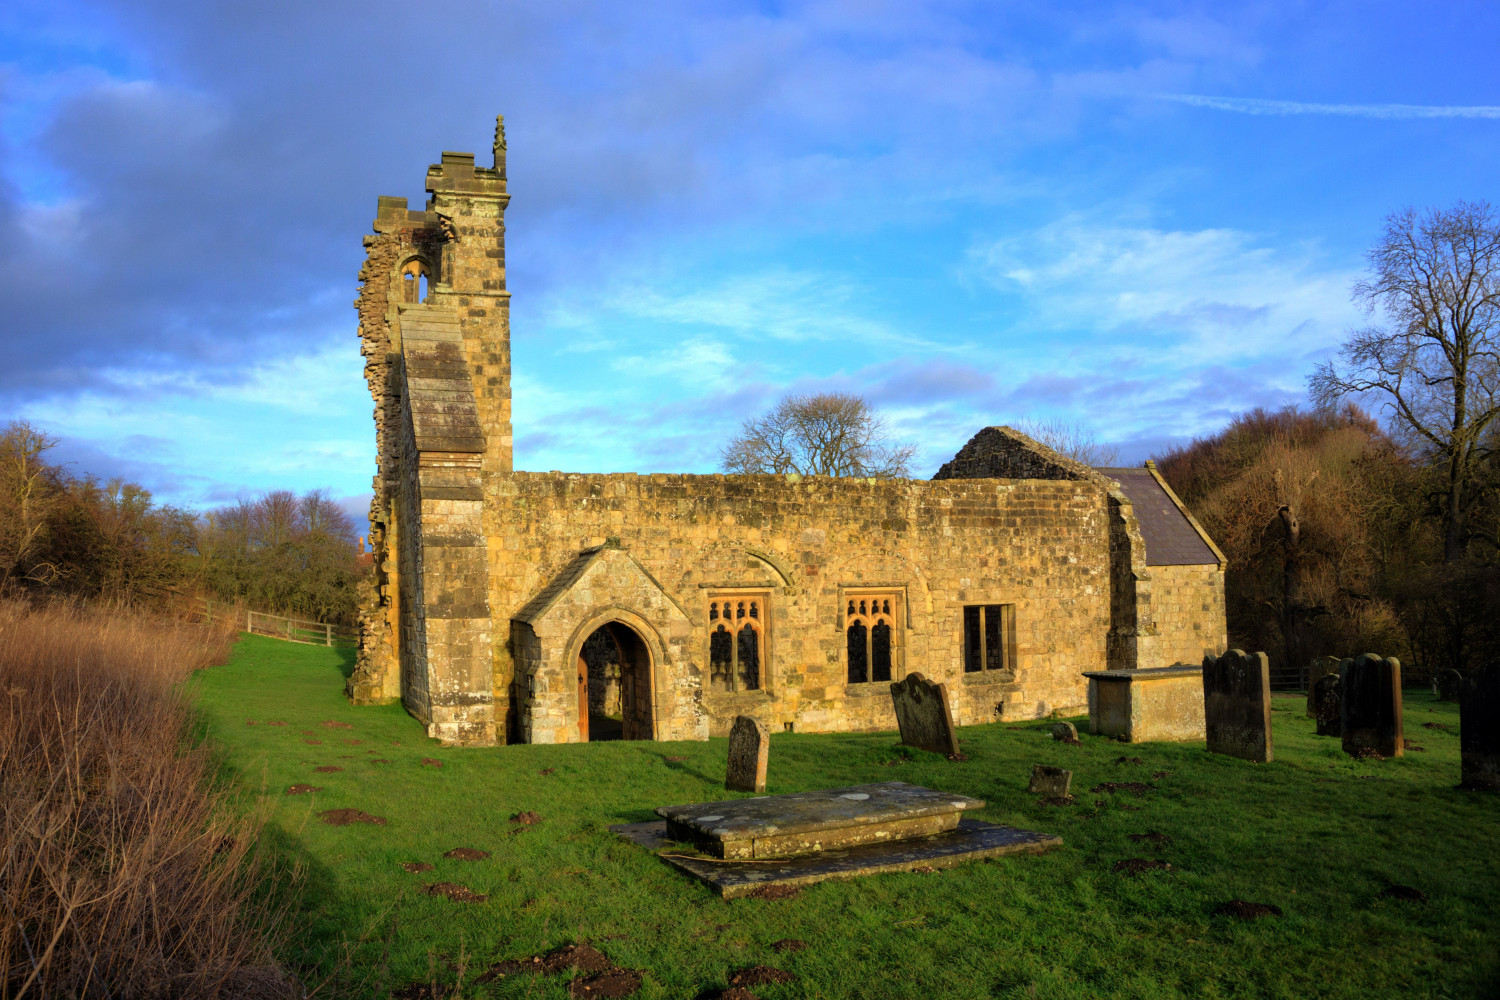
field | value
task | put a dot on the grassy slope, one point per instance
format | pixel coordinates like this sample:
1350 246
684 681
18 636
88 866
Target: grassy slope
1315 833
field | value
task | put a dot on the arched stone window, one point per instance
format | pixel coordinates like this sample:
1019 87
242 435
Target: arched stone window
414 280
736 641
870 637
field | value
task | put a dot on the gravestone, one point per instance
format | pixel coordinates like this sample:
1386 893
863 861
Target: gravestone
749 751
1479 729
1053 782
1065 731
1447 685
1326 705
1237 704
1370 705
923 715
1320 667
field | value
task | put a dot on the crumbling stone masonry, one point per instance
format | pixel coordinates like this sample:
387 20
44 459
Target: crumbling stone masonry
795 601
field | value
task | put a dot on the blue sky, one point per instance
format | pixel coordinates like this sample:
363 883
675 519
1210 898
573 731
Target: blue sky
1141 218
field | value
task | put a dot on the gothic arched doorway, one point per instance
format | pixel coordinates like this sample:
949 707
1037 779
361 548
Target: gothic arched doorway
614 685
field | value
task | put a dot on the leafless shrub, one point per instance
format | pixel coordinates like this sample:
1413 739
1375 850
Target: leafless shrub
123 871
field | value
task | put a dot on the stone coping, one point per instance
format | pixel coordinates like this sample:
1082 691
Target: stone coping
1145 674
809 812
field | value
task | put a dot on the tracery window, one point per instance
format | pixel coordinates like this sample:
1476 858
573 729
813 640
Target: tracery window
989 637
736 641
870 637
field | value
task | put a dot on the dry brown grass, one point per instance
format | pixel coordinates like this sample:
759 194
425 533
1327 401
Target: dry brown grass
124 871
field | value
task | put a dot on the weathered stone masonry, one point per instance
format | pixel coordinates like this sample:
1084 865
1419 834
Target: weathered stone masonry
489 581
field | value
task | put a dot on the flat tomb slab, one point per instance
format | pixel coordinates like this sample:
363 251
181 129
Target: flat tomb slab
970 840
780 826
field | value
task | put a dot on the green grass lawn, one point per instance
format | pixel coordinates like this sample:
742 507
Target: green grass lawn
1315 833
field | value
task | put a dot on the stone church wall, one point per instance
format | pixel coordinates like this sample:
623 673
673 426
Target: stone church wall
1042 546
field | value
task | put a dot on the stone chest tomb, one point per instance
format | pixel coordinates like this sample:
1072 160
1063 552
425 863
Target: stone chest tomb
549 607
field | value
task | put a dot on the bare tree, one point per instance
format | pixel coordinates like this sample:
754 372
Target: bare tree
828 434
1073 440
1435 277
27 498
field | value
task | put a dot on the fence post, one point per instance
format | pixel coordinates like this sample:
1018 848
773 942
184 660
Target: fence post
328 633
249 621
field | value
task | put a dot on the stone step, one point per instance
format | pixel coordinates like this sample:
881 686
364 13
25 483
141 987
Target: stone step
782 826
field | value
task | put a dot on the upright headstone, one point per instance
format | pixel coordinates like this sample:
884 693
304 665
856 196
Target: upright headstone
1326 708
1370 705
922 713
1237 704
1320 667
749 751
1479 729
1447 685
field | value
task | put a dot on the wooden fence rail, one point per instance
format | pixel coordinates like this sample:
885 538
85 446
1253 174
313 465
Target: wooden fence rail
299 630
198 606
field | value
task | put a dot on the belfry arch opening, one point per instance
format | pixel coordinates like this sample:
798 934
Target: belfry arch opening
614 685
414 281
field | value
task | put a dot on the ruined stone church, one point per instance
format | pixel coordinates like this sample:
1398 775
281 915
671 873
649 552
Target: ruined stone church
549 607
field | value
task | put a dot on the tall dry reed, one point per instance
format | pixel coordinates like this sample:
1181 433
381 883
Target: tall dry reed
124 871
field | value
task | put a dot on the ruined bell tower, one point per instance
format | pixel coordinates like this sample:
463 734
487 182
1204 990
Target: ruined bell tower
434 327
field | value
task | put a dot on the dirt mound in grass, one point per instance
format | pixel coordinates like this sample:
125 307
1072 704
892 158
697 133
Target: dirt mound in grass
1131 867
1133 787
416 866
1434 725
301 789
675 760
353 743
583 957
1057 800
1129 760
454 891
525 818
1247 911
328 769
1406 892
379 760
612 983
1409 745
430 762
343 817
789 944
337 725
1151 837
761 975
276 722
546 771
316 743
776 892
729 993
467 854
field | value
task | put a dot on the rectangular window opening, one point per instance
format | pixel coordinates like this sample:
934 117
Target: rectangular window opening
989 637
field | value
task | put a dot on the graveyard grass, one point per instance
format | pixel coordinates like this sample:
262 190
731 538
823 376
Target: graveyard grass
1315 833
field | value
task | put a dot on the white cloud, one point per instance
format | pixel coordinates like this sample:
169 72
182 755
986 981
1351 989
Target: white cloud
1209 296
1261 106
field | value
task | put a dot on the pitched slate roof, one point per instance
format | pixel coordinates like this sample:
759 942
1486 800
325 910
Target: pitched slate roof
1171 539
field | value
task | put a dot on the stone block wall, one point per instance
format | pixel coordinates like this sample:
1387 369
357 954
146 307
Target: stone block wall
1040 545
1187 606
